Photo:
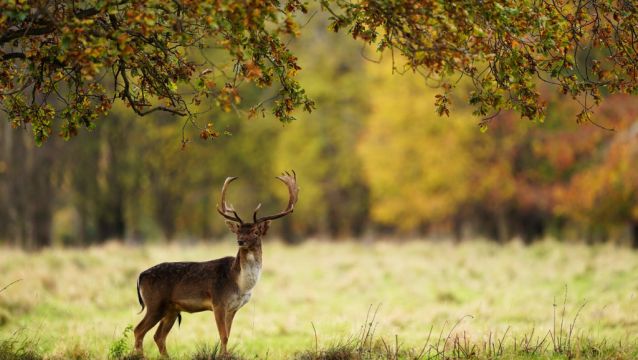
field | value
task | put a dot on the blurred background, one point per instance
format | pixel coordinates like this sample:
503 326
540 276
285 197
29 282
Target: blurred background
374 160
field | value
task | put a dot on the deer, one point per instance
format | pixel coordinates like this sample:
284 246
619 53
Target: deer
222 285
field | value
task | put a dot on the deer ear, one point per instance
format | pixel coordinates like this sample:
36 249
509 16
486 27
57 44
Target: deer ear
233 226
263 227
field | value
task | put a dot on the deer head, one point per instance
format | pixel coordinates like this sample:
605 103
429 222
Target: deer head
250 234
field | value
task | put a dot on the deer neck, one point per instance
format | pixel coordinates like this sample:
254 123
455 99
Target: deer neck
248 268
249 255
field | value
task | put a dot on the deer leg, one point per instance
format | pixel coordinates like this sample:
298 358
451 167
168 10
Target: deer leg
162 332
230 315
156 337
220 319
152 317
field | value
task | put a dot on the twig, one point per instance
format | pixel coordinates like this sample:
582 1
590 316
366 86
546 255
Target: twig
316 339
4 288
15 91
454 327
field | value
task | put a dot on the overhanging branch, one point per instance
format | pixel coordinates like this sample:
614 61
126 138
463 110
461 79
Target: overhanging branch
16 34
134 105
13 55
21 88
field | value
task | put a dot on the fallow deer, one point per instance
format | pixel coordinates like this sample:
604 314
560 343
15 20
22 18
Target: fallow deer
222 285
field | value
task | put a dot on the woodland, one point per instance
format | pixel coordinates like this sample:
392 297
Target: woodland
458 119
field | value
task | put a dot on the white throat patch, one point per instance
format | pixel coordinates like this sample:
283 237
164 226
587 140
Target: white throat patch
250 273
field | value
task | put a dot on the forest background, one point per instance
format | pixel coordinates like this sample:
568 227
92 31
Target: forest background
374 159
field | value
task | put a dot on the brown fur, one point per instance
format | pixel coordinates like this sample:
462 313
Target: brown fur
167 289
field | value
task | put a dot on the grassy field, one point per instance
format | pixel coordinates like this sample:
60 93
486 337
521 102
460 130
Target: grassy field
475 298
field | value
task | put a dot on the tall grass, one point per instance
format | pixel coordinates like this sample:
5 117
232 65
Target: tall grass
365 345
437 301
17 347
555 343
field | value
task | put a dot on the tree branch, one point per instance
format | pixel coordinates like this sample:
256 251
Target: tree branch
48 27
86 13
15 91
16 34
13 55
159 108
133 103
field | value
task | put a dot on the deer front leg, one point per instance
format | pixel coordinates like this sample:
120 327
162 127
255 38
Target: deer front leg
230 315
220 319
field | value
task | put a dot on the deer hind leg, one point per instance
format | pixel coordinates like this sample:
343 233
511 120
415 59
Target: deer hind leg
220 319
152 317
162 331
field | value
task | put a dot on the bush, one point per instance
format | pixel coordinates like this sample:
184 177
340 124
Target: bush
120 348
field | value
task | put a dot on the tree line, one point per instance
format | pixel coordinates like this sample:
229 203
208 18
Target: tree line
374 159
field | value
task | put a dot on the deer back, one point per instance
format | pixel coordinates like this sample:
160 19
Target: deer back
189 286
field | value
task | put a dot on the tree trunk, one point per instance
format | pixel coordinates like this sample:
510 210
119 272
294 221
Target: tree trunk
110 219
287 232
27 189
457 228
333 217
167 222
110 216
41 207
634 234
18 191
502 227
358 209
165 209
41 222
5 156
83 228
206 232
43 192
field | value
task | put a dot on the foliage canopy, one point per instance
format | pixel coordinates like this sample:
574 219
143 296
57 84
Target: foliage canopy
69 61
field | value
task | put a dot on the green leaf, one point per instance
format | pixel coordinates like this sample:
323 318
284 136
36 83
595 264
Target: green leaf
65 43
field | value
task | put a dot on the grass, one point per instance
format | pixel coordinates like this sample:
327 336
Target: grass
341 300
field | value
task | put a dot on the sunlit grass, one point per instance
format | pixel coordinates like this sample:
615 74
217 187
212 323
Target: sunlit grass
76 303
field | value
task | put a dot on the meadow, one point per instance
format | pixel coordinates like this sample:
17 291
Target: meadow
406 299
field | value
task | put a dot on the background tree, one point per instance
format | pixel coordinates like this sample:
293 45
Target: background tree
603 194
322 147
28 183
413 183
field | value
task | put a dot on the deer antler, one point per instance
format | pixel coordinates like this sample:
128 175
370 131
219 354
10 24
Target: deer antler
293 190
225 208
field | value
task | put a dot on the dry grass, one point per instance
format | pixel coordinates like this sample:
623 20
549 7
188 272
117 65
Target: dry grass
435 299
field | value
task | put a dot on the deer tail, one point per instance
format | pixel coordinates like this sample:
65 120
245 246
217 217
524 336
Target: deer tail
139 295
